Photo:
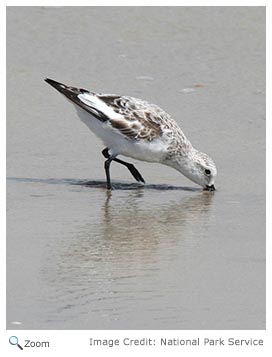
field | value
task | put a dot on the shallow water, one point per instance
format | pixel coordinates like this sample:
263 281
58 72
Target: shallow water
164 255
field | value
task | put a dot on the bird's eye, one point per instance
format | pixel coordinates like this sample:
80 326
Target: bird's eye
207 172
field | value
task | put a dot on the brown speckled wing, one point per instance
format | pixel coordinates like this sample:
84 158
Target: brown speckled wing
139 119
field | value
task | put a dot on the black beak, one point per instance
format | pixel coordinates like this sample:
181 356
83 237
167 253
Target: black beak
209 188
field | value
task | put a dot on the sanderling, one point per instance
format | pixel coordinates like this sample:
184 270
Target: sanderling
135 128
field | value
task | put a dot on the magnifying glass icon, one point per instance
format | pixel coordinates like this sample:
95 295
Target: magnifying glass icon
13 340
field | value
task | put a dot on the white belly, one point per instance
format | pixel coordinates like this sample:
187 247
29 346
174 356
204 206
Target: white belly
145 150
151 151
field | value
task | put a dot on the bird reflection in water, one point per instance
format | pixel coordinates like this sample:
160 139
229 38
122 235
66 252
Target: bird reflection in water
142 220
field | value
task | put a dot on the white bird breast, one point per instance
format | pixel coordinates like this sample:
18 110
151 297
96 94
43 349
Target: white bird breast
119 144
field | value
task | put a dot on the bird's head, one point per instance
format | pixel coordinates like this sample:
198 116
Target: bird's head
199 168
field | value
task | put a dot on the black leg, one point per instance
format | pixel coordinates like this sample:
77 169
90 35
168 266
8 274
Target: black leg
107 169
134 172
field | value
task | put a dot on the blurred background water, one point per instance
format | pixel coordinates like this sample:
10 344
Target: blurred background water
163 256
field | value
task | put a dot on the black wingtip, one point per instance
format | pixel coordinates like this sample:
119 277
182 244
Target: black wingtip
57 85
48 80
53 83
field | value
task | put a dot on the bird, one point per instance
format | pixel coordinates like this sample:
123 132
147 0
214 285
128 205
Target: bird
135 128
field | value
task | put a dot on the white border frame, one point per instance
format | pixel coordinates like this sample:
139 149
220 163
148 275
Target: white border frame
71 342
